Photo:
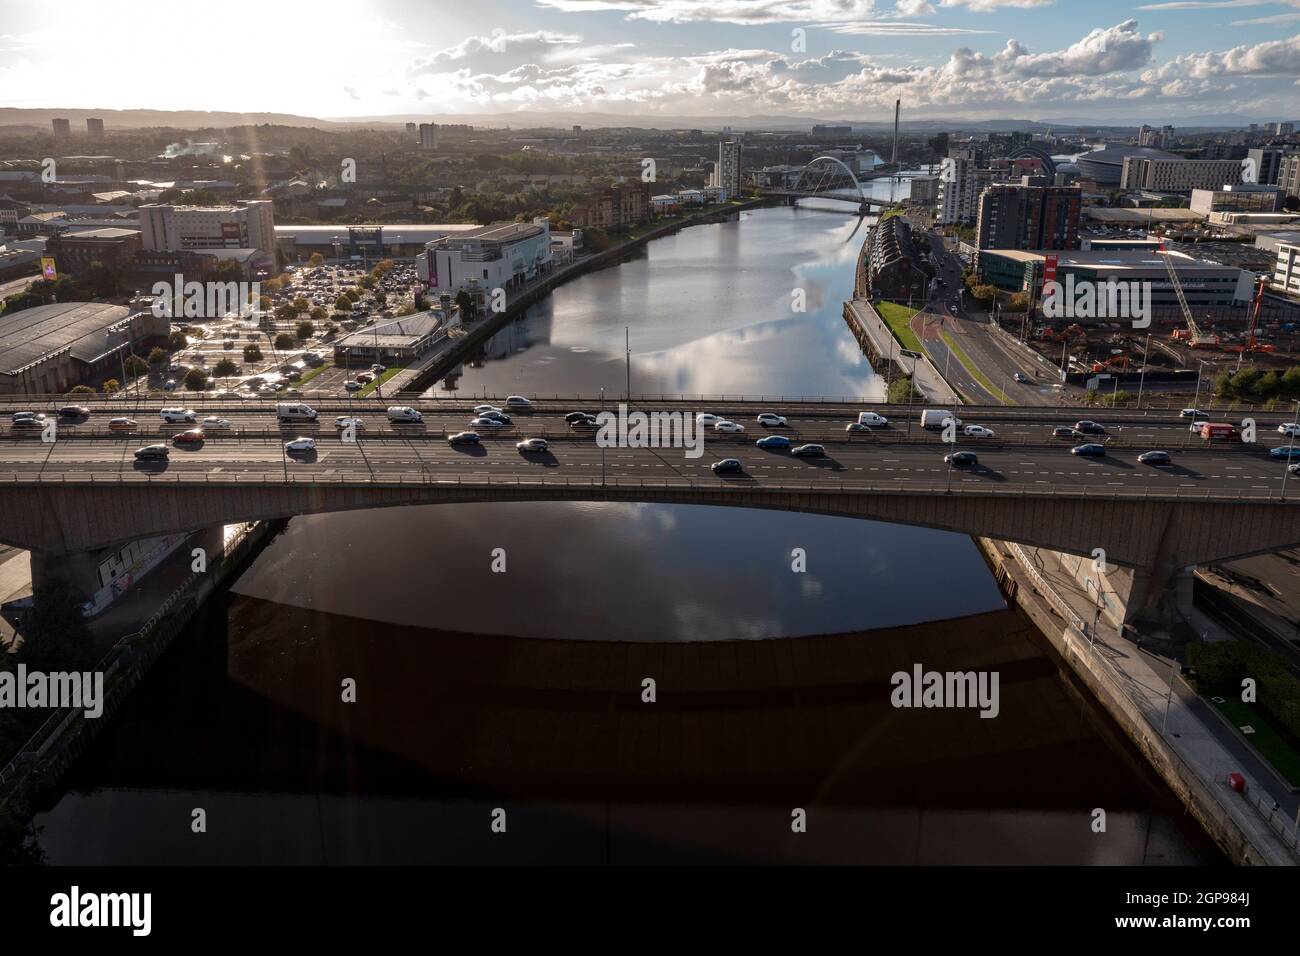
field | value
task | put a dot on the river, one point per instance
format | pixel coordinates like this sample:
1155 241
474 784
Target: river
521 689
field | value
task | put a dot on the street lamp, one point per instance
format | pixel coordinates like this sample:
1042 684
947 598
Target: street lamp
1196 400
1142 381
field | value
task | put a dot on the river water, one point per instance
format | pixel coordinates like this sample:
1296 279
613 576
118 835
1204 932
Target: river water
522 690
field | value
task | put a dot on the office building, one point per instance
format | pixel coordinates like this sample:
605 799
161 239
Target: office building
94 128
728 173
1028 217
1156 138
62 127
1288 175
1265 162
73 252
250 225
428 136
412 132
925 190
1286 274
1285 129
504 255
1177 175
1237 197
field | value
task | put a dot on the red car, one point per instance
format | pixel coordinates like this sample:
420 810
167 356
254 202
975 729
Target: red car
192 437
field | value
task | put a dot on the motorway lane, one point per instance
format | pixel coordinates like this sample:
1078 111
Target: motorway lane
1041 469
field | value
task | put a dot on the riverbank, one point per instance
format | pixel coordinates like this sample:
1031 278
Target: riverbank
467 345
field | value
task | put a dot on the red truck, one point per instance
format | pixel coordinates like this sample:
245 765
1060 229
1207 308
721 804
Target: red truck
1218 430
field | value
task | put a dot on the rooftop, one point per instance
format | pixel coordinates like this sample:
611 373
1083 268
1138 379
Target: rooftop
79 327
393 333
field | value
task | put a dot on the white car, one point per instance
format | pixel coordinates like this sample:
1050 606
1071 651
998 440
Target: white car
772 421
486 423
708 418
343 421
533 444
977 431
730 428
213 422
174 415
517 401
300 444
1291 429
482 409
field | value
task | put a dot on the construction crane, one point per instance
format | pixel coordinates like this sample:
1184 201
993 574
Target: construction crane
1253 344
1192 336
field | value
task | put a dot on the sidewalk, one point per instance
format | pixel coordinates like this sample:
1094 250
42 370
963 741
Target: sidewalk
1176 717
925 376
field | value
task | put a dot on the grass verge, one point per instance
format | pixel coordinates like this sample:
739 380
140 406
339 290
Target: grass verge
1267 741
371 386
899 318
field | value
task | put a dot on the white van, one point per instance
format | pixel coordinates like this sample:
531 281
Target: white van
871 418
173 415
404 413
295 412
935 417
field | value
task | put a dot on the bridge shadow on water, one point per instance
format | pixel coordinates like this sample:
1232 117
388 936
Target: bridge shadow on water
243 717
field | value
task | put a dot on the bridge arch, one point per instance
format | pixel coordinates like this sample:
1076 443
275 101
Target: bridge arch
838 162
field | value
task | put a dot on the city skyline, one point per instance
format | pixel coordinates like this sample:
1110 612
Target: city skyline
975 59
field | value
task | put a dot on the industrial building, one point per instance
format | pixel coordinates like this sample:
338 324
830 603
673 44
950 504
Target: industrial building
504 255
1209 284
50 348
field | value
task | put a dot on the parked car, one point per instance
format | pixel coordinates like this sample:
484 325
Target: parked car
1089 450
727 464
1154 458
352 386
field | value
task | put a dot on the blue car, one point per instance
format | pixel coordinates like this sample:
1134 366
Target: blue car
1285 452
773 441
1090 450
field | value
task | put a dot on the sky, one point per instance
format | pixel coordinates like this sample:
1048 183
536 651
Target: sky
1166 61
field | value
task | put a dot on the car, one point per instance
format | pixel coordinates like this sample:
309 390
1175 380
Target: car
770 420
773 441
151 452
121 424
1285 451
172 416
517 401
74 411
1294 468
533 444
18 416
1089 427
463 438
352 386
344 421
191 436
1193 413
808 451
727 464
1154 458
480 409
708 418
1089 450
487 423
169 385
300 445
212 421
365 378
28 423
1290 429
501 417
576 417
961 458
588 422
873 419
977 431
730 428
857 427
1063 431
378 369
1020 377
398 414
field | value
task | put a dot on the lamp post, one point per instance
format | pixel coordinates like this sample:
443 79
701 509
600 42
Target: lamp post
1196 399
1143 380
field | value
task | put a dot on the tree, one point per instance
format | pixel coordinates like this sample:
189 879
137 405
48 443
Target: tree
109 386
343 303
354 295
136 365
315 260
984 294
81 390
367 282
55 636
224 368
305 329
177 341
252 353
196 380
286 312
319 313
1017 303
284 342
157 356
301 305
465 302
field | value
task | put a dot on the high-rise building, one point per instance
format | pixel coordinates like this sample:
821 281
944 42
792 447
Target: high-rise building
728 174
961 180
428 136
1285 129
1178 175
412 132
1156 138
1266 160
1288 175
250 225
1024 216
94 128
62 127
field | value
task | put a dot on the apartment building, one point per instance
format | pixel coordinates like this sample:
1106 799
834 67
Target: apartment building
1178 175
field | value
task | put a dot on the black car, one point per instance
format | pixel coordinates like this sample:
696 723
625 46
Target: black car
501 417
1154 458
589 422
961 458
463 438
1089 450
1063 431
1089 427
577 417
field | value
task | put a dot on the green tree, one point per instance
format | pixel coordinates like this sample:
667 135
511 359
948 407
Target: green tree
157 356
305 329
1224 387
367 282
81 390
109 386
301 305
224 368
177 341
1291 382
284 342
196 380
136 365
319 314
315 260
252 353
